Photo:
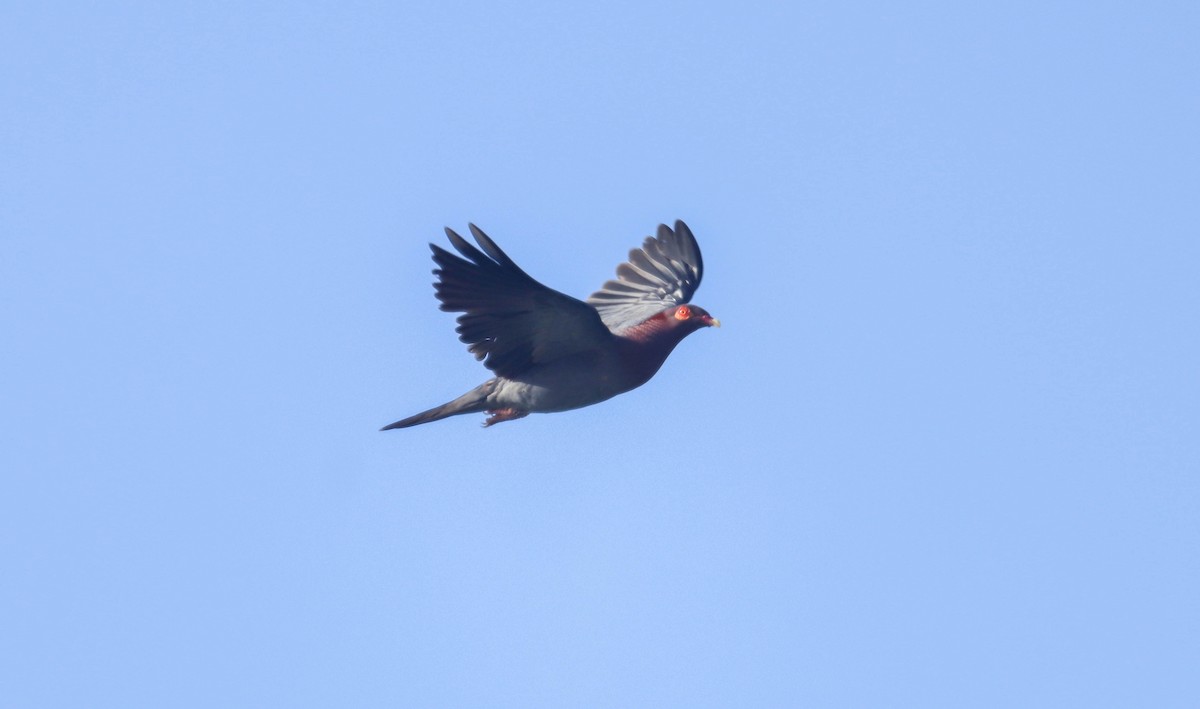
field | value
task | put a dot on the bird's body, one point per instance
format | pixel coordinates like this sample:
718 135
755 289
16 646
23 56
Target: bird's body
551 352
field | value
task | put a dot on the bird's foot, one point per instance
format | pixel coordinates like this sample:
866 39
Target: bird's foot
498 415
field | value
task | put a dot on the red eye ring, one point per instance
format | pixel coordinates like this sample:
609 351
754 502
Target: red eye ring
683 312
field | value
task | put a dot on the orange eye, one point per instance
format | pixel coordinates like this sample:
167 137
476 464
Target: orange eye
683 313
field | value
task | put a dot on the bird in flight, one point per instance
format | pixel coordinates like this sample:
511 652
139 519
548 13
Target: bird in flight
550 352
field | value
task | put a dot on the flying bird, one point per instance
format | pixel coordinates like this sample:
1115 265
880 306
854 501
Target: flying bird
550 352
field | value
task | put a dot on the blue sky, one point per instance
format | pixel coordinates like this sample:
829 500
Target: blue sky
943 451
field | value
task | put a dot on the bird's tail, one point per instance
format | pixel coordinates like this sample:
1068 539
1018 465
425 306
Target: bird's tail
473 401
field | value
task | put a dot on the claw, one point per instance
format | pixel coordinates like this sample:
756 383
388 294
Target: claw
498 415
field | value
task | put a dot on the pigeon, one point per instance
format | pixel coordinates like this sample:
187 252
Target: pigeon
550 352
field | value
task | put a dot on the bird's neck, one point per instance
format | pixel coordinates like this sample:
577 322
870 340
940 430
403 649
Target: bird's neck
646 345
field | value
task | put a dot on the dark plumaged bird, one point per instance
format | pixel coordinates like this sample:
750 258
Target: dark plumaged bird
551 352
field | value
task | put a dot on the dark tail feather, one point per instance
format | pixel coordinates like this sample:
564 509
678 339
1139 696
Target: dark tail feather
472 402
434 414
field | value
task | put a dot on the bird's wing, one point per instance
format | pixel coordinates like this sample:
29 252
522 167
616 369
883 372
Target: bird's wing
666 271
508 318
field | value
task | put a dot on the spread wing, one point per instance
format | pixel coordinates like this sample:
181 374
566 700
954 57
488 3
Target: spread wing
665 272
508 318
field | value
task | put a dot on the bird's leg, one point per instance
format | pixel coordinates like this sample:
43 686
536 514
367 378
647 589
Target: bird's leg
498 415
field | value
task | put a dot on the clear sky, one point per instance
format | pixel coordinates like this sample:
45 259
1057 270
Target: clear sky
943 452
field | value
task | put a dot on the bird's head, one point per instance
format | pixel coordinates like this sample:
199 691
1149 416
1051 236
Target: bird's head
691 317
